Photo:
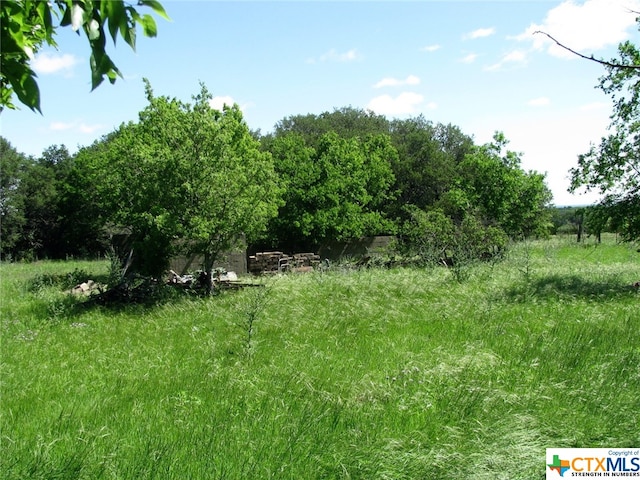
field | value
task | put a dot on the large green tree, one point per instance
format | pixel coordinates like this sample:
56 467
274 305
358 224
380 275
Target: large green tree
428 159
347 122
613 166
428 153
33 224
335 190
433 166
28 25
12 216
493 182
185 177
487 199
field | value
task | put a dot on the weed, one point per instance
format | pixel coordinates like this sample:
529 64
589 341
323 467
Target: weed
116 272
63 281
255 302
353 373
524 259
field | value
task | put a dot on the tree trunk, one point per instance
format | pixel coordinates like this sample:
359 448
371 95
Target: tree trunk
208 267
579 232
580 218
210 256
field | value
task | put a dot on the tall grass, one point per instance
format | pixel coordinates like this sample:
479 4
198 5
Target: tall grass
401 373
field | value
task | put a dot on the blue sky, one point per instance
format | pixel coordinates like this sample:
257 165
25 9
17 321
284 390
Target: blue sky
474 64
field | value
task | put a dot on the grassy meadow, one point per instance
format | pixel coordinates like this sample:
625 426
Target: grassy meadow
399 373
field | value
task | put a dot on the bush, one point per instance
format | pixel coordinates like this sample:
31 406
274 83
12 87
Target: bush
64 281
432 237
426 235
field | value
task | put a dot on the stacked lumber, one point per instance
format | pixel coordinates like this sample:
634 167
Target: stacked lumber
274 262
304 262
266 262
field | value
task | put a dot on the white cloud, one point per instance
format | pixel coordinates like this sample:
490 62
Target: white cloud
539 102
405 103
480 33
89 129
587 27
334 56
79 127
513 57
469 58
395 82
595 106
60 126
52 63
431 48
218 103
550 142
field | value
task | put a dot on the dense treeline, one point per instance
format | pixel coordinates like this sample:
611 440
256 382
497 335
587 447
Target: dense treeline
585 221
186 177
41 207
398 172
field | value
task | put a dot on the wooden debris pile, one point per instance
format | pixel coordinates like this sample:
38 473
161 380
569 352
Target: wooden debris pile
86 288
137 289
305 262
264 262
275 262
220 279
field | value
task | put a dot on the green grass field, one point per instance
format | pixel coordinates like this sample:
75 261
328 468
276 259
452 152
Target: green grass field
369 374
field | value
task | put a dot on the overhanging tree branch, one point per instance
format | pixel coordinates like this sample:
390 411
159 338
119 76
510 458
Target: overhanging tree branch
590 57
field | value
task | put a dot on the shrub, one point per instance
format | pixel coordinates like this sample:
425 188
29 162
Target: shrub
64 281
433 237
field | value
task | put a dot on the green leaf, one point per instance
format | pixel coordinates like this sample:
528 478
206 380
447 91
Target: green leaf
27 25
27 91
130 37
66 17
156 6
116 16
44 11
96 74
128 28
101 65
149 26
113 73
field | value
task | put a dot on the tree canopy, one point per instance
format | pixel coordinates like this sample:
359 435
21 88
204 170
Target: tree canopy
347 122
336 190
613 166
28 25
185 178
429 156
33 204
503 194
12 208
422 171
188 178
